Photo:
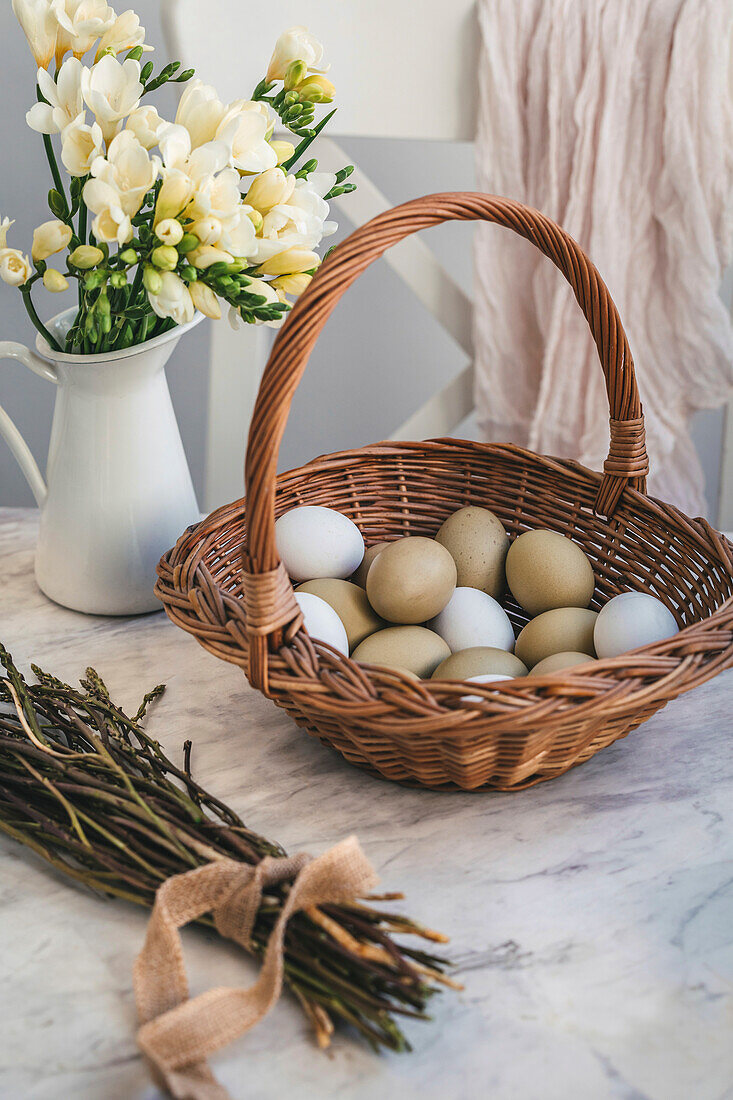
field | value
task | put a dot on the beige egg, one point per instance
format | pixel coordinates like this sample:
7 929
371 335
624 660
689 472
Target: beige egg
407 648
562 630
559 661
350 604
360 576
478 661
478 544
545 570
411 580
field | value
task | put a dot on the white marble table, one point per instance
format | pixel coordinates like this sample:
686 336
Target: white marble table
592 917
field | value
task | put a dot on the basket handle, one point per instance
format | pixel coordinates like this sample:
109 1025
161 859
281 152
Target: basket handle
268 594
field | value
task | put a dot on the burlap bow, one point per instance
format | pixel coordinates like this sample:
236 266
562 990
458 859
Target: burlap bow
177 1034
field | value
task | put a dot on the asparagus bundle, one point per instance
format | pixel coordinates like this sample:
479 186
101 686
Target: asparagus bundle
85 787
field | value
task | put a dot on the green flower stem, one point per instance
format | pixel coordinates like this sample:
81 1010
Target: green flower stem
37 322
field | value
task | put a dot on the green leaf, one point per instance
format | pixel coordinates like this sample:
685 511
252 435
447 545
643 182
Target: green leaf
307 141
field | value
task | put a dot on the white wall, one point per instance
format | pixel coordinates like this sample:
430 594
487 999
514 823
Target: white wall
380 356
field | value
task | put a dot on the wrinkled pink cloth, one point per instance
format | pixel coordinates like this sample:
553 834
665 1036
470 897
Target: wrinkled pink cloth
615 118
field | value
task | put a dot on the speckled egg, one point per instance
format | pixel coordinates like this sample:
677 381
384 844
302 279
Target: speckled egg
631 620
558 631
558 661
360 576
318 542
545 570
411 580
473 618
414 648
479 661
350 604
478 544
322 622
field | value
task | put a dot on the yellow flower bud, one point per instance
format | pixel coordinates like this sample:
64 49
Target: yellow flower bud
205 300
207 255
174 196
283 150
49 238
270 188
152 280
290 262
169 231
54 281
256 218
165 257
297 71
316 89
292 284
86 256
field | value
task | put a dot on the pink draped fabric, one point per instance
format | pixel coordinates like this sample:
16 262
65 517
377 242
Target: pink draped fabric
614 117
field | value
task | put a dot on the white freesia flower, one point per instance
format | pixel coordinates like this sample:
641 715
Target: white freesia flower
245 129
200 111
300 222
81 144
40 26
124 34
169 231
205 300
207 255
112 90
146 124
296 44
65 101
173 299
292 284
15 268
5 224
81 24
49 238
129 171
174 196
111 223
269 189
290 262
54 281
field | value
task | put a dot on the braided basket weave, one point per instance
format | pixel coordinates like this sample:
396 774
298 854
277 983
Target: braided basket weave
223 581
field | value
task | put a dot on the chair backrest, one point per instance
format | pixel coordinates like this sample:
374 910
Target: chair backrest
403 68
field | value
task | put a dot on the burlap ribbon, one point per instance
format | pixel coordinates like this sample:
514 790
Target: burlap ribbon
177 1034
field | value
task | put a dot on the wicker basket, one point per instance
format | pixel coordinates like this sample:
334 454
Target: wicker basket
223 581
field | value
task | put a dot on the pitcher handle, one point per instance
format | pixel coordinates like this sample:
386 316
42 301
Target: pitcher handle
9 349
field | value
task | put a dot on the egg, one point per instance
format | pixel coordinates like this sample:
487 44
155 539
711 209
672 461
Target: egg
489 678
412 648
478 544
557 631
473 618
350 604
318 542
545 570
322 622
411 580
370 554
558 661
631 620
479 661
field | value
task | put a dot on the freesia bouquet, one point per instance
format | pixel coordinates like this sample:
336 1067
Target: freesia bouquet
222 213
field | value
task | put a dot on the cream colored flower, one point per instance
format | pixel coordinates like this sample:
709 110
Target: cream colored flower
146 124
169 231
111 223
81 144
5 224
54 281
124 34
81 24
269 189
65 101
245 129
283 150
290 262
315 89
129 169
200 111
300 222
40 26
49 238
85 256
173 299
205 300
112 90
292 284
296 44
175 193
15 268
207 255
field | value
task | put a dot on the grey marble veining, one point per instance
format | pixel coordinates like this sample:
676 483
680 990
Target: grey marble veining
591 917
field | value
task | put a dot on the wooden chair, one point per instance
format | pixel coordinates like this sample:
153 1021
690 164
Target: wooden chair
224 39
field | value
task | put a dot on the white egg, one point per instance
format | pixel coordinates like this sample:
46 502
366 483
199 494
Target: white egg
322 622
485 678
631 620
473 618
318 542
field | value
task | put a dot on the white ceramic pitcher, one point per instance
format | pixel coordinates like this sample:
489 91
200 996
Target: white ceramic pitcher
118 491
